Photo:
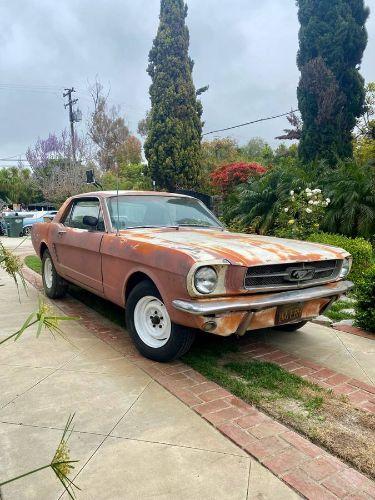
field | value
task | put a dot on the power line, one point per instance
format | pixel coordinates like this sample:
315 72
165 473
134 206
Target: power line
37 88
16 157
10 160
13 88
31 85
249 123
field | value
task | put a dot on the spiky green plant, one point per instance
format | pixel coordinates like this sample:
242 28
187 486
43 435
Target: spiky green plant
352 190
12 265
45 318
259 200
61 464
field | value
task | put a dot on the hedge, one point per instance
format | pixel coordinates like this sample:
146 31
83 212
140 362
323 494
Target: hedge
365 306
359 248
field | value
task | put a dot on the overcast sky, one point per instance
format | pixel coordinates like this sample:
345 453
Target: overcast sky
245 50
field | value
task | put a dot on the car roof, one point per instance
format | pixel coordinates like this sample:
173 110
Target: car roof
109 194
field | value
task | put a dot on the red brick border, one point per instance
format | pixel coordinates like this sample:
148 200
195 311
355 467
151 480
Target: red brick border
353 330
308 469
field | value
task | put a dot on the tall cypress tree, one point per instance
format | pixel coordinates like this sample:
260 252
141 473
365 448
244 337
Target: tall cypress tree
332 39
173 144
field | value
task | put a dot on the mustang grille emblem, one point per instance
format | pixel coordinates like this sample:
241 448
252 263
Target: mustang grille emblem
295 274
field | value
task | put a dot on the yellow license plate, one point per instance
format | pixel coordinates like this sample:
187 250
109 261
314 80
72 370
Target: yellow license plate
289 313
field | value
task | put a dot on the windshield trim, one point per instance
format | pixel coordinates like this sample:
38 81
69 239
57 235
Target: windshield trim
219 226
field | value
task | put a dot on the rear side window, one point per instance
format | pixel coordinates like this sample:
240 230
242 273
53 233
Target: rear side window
79 209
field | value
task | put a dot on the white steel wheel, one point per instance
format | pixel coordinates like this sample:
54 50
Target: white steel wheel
48 272
54 286
150 327
152 321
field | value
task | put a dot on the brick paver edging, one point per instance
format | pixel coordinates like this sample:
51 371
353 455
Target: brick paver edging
354 330
307 468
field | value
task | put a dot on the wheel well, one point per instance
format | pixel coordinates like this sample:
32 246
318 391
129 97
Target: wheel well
133 281
43 248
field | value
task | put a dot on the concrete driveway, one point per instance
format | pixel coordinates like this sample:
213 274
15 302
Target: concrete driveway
133 438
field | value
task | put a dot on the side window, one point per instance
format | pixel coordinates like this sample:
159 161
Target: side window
79 210
66 217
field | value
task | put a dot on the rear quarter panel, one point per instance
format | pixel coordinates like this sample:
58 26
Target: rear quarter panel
40 236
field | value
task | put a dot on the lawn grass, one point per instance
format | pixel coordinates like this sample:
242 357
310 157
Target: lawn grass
335 312
34 263
329 420
258 382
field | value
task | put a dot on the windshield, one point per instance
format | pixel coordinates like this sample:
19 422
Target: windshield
159 211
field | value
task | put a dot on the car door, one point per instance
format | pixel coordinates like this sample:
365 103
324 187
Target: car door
77 245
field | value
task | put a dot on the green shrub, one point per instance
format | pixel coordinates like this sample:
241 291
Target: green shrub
301 213
359 248
365 306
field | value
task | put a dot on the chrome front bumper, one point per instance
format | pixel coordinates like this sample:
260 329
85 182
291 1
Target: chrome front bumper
258 302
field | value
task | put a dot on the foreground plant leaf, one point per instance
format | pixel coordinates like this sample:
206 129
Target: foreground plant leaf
12 265
45 318
61 464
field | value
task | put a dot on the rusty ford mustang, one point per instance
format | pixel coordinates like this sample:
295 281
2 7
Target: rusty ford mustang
176 270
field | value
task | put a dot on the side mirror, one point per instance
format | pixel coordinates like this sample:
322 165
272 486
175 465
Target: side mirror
90 178
90 220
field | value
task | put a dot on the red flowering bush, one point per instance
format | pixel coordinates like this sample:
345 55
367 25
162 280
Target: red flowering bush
228 176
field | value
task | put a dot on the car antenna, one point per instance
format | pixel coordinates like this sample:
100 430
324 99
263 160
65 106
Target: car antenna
117 188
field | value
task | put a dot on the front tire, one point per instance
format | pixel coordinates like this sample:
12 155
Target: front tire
291 327
154 334
55 287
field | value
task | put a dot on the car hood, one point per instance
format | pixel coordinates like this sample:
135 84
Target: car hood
239 249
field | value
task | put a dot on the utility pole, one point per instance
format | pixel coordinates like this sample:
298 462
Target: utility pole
72 118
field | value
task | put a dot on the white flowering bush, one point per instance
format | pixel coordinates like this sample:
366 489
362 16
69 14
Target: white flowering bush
301 214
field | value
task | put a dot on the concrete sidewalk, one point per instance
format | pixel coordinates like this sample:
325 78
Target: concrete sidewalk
133 438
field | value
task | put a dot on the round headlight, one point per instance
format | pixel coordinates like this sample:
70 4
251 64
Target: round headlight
346 267
205 280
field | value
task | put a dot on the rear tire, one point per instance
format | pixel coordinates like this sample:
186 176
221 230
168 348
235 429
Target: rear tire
55 287
291 327
155 336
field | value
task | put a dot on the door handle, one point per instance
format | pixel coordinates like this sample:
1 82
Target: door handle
61 231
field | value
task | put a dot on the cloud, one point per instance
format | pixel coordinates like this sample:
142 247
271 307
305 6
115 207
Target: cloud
245 51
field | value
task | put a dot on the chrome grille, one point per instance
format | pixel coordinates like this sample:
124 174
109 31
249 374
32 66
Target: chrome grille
292 275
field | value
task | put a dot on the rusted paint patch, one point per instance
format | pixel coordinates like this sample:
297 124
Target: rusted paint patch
241 249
